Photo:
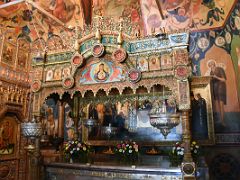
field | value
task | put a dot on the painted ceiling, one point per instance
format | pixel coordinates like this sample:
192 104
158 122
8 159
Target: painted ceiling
44 18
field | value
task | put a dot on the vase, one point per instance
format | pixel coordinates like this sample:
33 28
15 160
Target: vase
83 158
66 158
128 160
175 161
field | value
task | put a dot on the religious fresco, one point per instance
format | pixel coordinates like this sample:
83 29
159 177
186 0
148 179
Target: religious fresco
216 53
50 114
154 63
23 54
180 14
166 61
101 71
66 72
117 9
9 54
57 74
142 63
8 136
69 128
49 75
42 19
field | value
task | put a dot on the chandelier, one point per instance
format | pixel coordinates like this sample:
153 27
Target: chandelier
164 115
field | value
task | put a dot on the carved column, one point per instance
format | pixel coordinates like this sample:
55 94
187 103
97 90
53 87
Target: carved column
186 136
61 119
188 166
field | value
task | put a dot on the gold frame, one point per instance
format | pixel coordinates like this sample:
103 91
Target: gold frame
202 85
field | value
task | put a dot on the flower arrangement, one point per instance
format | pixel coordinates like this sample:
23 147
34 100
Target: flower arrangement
77 151
177 153
195 151
127 151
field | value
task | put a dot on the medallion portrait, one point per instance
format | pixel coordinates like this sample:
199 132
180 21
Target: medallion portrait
101 72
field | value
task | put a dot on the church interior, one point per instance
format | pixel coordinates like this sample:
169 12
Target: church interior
119 89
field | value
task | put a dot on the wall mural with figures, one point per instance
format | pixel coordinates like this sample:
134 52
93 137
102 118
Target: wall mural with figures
50 114
216 53
214 26
180 14
141 71
101 71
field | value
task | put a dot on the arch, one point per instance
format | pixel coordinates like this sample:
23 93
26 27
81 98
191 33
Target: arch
141 90
65 96
101 93
88 94
77 93
113 92
54 95
127 90
12 109
156 88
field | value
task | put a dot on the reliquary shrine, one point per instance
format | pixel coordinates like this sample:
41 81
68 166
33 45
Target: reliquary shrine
110 87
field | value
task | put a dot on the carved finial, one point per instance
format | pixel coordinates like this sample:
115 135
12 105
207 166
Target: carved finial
98 35
76 44
152 31
119 38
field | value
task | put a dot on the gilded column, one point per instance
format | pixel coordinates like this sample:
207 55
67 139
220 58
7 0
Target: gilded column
186 136
61 119
188 166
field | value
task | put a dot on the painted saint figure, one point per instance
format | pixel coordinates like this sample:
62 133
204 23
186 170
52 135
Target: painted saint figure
50 122
102 74
6 135
219 88
199 118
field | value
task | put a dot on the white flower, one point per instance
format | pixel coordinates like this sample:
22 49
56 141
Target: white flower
181 153
78 149
127 145
120 150
195 151
197 146
130 151
130 147
84 148
178 148
71 152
